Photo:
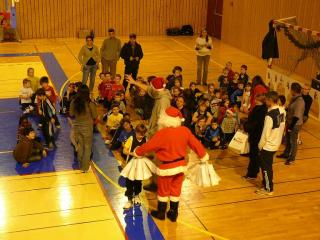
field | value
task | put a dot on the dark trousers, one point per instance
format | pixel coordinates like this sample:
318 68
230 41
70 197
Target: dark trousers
266 161
291 143
36 155
130 69
47 130
227 138
253 167
133 188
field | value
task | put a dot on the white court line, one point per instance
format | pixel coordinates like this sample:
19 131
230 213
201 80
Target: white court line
7 112
186 46
3 152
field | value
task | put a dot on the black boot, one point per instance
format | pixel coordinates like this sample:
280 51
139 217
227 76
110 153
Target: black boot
161 212
172 214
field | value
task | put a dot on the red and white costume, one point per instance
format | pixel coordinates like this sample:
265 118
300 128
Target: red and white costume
170 146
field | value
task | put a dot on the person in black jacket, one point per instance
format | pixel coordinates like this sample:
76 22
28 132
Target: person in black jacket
270 45
131 52
180 103
254 127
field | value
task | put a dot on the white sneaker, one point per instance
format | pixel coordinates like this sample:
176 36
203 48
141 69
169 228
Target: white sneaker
107 142
128 205
137 200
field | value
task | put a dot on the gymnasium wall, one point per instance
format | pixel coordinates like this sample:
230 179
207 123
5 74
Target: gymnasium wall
64 18
245 23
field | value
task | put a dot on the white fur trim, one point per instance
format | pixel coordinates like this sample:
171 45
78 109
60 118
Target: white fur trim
163 199
174 199
205 158
171 171
167 121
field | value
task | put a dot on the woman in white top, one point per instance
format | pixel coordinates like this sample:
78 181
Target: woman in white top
203 49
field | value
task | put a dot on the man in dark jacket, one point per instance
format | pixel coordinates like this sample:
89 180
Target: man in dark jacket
254 127
132 54
28 149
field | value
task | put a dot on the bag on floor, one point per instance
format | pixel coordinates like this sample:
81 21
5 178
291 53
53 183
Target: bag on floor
203 175
239 143
186 30
173 31
138 169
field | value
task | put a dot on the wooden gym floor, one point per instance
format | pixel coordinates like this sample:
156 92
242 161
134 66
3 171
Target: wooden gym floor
231 209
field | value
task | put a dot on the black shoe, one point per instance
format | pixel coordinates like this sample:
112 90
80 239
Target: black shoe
172 214
248 177
161 212
289 162
245 155
284 156
151 187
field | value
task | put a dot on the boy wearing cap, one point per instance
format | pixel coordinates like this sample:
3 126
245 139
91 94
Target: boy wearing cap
132 54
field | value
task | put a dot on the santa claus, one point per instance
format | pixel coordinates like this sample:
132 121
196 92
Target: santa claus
170 147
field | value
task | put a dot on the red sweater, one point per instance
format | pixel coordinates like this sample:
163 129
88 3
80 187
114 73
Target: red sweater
105 90
170 144
259 89
116 88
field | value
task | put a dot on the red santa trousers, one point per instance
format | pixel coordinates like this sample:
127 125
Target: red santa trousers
169 187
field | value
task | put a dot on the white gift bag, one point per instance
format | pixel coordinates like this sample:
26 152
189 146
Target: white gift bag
138 169
203 175
239 143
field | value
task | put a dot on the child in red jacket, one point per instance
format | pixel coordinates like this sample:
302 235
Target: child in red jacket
50 92
105 89
117 86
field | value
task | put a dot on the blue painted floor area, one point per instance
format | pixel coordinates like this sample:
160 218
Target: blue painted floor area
138 224
58 160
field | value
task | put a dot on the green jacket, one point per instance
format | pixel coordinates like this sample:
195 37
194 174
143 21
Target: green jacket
110 49
85 54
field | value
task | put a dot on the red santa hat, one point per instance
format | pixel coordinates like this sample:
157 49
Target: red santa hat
158 83
171 117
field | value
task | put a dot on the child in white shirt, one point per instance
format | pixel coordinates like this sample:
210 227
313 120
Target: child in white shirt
25 95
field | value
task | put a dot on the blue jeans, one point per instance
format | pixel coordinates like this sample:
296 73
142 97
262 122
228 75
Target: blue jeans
89 71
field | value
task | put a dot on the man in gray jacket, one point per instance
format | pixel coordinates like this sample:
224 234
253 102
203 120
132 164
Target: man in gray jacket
110 53
294 123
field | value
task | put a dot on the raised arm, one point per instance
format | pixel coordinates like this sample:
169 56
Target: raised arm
138 84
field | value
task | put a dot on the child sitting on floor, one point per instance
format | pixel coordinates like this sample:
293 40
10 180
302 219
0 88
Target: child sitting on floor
67 97
25 97
117 86
104 88
245 104
125 132
200 129
133 188
113 122
213 135
28 149
243 76
23 123
236 96
118 99
175 76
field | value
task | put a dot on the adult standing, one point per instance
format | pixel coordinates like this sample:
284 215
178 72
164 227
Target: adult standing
258 87
131 53
162 97
203 49
110 53
254 127
170 144
270 142
295 116
84 112
89 58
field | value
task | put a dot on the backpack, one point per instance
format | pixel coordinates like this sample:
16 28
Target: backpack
186 30
173 31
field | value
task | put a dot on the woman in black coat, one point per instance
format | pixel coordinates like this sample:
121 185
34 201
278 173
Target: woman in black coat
254 128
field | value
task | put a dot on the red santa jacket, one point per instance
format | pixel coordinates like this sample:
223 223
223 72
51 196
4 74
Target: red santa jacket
170 145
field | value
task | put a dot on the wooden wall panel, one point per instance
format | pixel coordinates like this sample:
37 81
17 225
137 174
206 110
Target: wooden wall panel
245 23
61 18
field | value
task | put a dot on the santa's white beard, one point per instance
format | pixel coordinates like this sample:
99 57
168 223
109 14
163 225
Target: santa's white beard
167 121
